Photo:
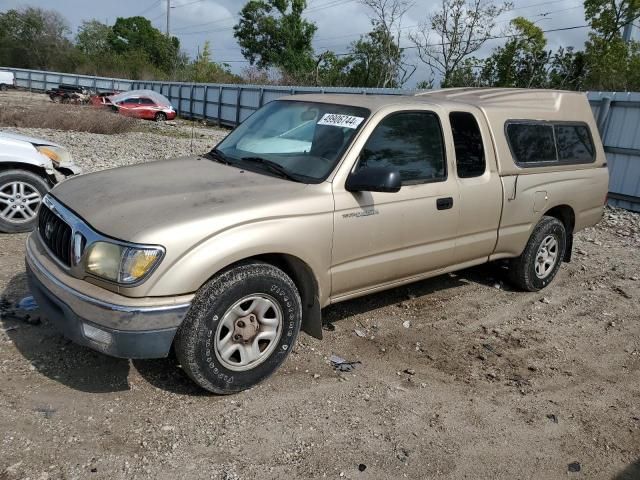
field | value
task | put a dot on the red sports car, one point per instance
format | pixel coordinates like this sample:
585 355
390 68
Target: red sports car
145 104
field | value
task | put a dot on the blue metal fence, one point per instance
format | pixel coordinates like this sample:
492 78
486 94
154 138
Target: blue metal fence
617 114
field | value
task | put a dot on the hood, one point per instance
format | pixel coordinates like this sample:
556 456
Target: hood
187 196
24 138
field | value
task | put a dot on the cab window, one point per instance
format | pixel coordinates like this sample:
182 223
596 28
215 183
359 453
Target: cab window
410 142
467 140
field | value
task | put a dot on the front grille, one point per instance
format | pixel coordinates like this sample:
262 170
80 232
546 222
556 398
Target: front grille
55 234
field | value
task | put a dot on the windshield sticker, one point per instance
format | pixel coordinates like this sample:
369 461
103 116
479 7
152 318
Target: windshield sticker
337 120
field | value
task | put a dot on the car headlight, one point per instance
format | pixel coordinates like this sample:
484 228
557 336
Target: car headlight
57 155
121 263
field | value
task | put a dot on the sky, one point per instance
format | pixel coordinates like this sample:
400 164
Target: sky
339 22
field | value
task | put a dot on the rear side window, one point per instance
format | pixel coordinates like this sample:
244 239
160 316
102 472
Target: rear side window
410 142
540 143
470 161
146 101
574 143
532 142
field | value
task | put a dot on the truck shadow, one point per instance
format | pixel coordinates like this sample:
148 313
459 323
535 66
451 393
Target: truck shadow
487 275
632 472
85 370
80 368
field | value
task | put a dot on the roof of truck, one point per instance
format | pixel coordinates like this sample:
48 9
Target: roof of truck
485 98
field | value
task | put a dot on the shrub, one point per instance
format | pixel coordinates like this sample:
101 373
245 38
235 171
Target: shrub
66 117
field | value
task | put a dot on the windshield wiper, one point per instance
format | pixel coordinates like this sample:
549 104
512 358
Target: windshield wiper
218 156
272 166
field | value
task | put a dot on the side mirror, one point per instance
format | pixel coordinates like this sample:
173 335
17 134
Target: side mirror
374 179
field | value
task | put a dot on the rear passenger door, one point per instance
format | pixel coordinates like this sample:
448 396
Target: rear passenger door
381 238
479 186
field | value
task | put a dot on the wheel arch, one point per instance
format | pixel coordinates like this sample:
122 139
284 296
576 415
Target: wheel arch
567 216
29 167
304 279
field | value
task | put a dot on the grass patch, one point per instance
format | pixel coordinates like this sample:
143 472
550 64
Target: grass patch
66 117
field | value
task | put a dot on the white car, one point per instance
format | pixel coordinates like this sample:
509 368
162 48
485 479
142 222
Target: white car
7 80
29 167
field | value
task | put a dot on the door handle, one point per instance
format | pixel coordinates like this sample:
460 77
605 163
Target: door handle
444 203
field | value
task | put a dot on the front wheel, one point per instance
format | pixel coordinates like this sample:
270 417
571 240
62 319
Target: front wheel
536 267
21 194
160 117
241 327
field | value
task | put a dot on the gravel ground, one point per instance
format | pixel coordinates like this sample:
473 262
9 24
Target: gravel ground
95 152
461 377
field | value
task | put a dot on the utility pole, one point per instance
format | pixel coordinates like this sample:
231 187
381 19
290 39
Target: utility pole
626 33
628 27
168 15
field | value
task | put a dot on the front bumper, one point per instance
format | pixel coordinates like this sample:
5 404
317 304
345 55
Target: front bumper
117 328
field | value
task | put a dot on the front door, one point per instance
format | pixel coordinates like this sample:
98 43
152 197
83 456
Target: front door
381 238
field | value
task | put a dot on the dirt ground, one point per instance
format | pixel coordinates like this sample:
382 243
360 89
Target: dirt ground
461 377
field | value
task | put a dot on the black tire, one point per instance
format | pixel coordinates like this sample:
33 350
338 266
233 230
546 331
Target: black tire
522 270
3 87
196 341
160 117
36 182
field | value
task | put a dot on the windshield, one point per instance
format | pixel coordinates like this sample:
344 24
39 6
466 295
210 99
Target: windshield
304 139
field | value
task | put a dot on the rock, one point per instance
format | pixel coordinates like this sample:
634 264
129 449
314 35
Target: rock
362 467
574 467
316 376
410 371
406 324
402 454
545 300
360 333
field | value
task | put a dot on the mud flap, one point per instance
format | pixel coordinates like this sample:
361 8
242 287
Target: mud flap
569 248
312 319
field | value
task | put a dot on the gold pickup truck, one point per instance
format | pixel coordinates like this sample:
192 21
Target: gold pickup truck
313 200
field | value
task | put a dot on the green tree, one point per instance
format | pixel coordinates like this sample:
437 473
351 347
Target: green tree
465 74
611 63
375 60
462 27
522 61
273 33
567 69
92 38
608 17
204 70
137 34
35 38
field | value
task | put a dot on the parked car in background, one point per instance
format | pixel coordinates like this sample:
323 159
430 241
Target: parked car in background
64 93
145 104
7 80
29 167
313 200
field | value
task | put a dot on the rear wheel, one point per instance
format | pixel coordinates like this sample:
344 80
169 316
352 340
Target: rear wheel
21 194
537 266
160 117
3 87
241 327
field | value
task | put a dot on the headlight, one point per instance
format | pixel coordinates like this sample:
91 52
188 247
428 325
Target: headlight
57 155
120 263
